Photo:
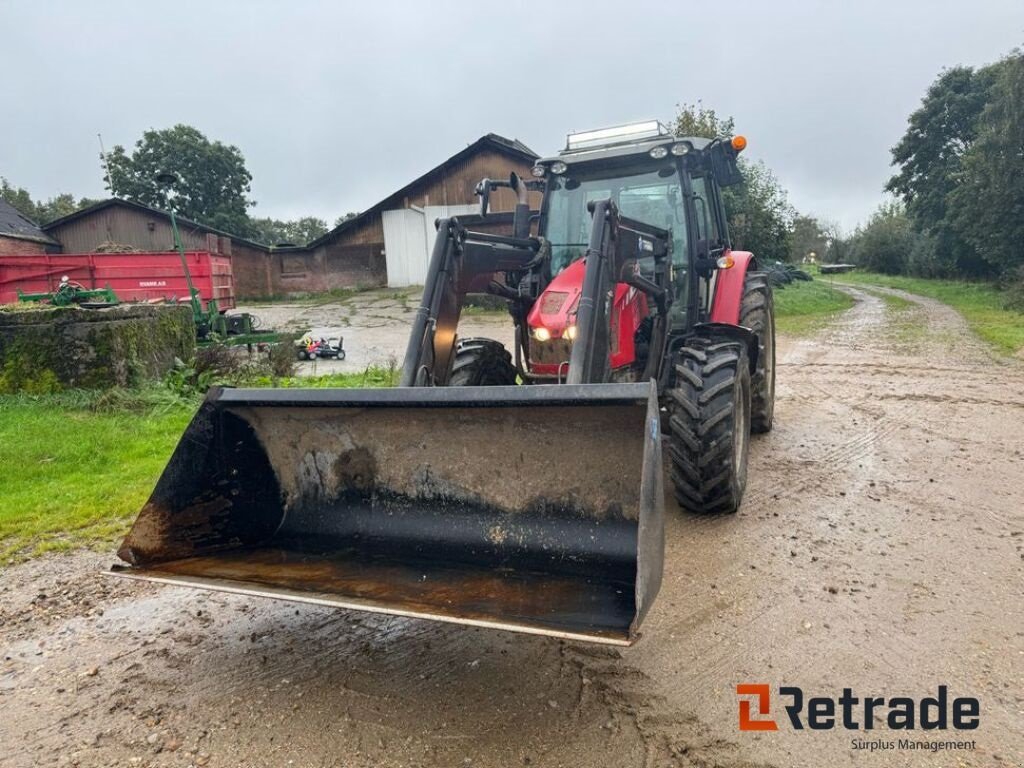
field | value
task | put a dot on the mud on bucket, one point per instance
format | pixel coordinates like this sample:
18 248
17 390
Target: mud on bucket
535 508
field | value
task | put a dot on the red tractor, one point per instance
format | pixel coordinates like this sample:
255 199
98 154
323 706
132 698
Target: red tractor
631 277
515 489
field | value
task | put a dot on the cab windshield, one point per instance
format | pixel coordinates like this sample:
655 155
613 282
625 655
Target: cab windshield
651 197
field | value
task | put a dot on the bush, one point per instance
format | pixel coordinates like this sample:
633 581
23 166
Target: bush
1015 290
281 357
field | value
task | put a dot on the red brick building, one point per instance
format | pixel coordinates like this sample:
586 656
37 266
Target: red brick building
19 235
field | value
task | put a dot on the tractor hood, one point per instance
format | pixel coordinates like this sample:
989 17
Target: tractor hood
555 310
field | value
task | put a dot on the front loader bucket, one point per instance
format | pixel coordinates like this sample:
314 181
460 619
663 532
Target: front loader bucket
532 508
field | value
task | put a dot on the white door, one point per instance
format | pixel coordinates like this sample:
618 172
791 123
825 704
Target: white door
409 236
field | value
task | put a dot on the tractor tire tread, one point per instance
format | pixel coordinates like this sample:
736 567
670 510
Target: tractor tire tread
757 312
703 425
481 362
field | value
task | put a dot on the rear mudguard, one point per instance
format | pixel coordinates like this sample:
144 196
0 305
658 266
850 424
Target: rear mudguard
534 509
734 332
728 298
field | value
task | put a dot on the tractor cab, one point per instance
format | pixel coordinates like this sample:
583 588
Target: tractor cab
664 187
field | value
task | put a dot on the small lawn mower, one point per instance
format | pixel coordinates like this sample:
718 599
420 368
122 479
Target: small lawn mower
308 348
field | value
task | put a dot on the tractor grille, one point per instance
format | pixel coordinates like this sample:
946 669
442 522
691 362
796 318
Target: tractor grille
550 352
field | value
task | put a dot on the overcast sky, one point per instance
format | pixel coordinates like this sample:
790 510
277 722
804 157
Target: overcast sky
335 105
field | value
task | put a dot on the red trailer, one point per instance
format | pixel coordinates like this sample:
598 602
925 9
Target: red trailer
134 277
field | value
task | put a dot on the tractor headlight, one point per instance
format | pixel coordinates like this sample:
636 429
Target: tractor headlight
681 148
538 170
541 334
558 168
658 153
570 333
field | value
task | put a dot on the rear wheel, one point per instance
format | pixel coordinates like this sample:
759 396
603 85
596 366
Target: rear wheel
709 407
481 363
757 313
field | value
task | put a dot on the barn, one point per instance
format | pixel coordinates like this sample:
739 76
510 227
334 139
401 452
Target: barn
116 224
387 244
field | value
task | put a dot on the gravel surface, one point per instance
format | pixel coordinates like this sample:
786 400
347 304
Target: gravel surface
880 547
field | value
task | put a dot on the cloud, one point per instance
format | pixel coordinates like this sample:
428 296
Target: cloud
335 105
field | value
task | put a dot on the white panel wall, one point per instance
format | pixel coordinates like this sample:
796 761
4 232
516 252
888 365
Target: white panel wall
409 236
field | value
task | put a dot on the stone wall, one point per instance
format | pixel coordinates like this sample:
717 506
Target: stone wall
47 349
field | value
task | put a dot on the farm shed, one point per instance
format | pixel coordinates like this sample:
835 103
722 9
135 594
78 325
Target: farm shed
115 223
390 242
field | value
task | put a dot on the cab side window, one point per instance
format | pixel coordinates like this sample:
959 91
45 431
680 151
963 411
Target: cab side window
707 225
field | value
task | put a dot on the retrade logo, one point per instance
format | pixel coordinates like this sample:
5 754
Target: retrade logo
762 695
856 713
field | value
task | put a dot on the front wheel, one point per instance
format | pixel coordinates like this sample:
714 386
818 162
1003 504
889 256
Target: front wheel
481 363
709 425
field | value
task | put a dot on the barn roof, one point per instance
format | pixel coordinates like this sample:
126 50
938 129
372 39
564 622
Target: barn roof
14 224
117 201
511 147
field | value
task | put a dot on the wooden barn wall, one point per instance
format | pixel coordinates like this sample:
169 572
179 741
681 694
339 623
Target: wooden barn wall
355 257
125 226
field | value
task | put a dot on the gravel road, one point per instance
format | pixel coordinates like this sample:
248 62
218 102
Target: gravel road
880 547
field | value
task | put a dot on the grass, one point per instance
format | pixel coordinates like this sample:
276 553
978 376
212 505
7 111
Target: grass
981 305
74 475
76 467
804 307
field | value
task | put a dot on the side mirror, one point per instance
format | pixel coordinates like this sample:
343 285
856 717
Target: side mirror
724 165
483 191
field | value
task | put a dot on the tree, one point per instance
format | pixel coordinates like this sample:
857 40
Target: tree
295 232
986 206
701 121
342 219
42 213
19 198
930 158
885 243
808 237
213 182
758 211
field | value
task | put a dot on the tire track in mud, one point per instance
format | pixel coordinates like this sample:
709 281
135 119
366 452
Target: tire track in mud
838 500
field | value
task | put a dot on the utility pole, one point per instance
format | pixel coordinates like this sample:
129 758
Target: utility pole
106 166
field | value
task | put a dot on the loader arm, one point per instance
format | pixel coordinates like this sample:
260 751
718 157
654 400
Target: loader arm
617 246
460 261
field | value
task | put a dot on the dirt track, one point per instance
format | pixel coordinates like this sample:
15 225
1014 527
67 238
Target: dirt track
880 547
